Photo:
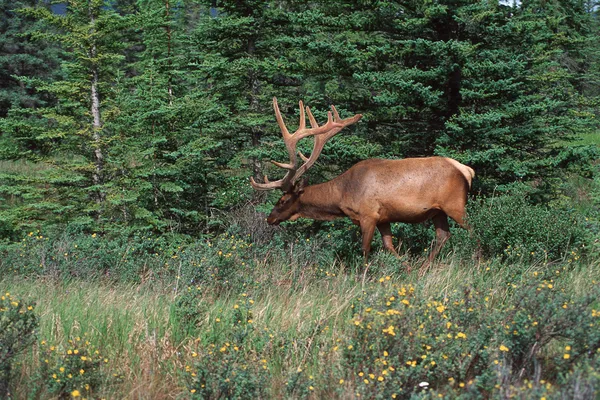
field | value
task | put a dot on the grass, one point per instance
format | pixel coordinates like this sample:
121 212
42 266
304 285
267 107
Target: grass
131 325
22 167
137 329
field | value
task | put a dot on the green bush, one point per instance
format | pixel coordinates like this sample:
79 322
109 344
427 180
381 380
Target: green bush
228 361
18 325
223 262
72 371
77 254
509 226
465 343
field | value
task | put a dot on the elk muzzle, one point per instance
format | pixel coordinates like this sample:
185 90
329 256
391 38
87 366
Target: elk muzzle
272 220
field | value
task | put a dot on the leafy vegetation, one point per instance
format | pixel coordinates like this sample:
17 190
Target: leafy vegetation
156 113
17 331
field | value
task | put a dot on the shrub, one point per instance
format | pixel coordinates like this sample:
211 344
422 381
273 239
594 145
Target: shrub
77 254
228 362
511 227
74 370
223 262
18 325
464 343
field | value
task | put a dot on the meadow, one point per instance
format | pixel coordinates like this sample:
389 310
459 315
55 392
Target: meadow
508 310
230 316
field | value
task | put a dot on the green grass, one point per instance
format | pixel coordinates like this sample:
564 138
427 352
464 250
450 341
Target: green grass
22 167
131 325
136 328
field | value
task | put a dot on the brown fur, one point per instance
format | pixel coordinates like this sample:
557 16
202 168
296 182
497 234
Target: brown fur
374 193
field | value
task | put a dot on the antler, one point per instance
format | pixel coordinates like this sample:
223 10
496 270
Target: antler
322 135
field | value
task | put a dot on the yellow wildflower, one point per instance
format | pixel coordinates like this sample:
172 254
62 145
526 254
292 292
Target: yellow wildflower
390 330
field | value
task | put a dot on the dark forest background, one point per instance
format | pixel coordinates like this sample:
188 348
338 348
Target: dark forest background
151 115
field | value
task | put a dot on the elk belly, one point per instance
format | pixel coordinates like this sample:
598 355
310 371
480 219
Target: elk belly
409 212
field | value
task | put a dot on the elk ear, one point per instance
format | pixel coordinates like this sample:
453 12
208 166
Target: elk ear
300 185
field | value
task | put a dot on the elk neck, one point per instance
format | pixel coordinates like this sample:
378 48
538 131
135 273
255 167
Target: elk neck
321 202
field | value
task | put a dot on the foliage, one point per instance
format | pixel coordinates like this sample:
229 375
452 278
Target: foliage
72 371
125 206
463 342
510 226
179 115
68 138
227 364
18 324
19 57
72 254
304 316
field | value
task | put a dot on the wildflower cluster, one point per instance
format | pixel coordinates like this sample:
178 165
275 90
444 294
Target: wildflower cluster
402 340
403 344
18 323
74 370
229 362
222 262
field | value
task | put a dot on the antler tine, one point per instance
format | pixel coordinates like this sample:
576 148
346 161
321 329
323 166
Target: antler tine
302 124
322 135
320 140
313 121
284 130
335 114
302 156
268 185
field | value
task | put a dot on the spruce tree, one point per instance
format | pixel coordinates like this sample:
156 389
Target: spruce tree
19 57
240 63
72 178
162 114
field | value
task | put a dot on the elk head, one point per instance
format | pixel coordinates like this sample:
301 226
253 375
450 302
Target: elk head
291 185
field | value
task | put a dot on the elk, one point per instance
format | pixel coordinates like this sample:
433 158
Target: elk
373 193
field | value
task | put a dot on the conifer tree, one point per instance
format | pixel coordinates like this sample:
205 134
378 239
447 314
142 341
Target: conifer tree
162 153
73 173
240 64
19 57
458 78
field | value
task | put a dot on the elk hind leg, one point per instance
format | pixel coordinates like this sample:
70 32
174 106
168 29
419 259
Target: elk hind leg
386 236
457 212
442 233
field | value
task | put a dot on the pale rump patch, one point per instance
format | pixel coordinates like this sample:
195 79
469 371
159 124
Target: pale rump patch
468 172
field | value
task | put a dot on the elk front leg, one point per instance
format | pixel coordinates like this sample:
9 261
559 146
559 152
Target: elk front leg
367 228
386 235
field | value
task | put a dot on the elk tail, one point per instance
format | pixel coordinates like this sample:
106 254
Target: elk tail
467 172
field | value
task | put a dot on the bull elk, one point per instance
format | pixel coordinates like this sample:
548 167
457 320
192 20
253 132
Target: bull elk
372 193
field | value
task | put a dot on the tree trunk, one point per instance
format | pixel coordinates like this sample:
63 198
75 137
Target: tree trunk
96 118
